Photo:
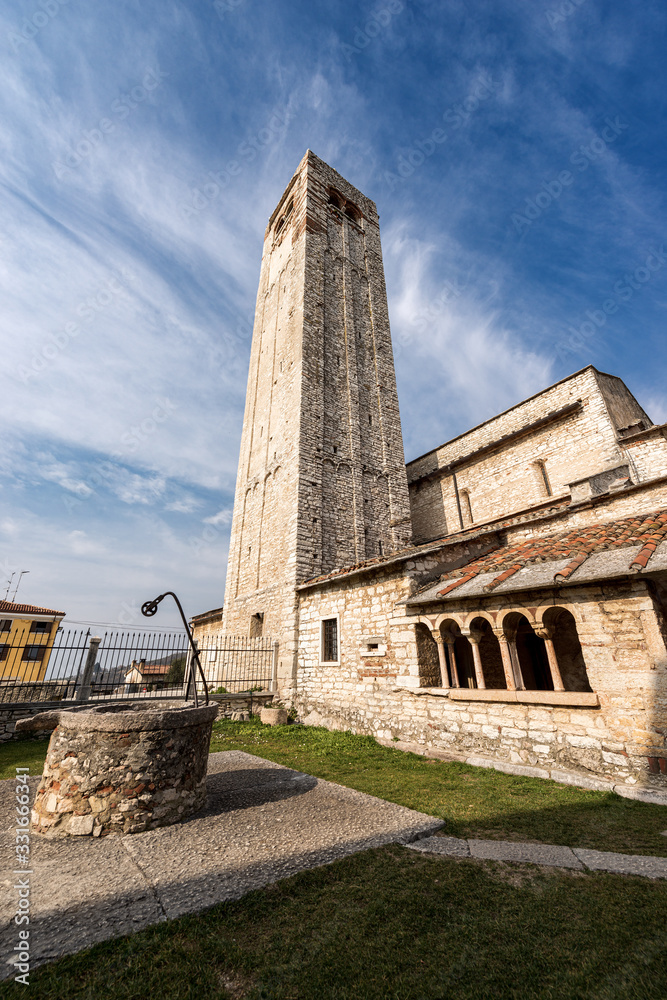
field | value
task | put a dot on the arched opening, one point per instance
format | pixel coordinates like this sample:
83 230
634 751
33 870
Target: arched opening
427 657
567 647
336 199
462 650
490 655
530 653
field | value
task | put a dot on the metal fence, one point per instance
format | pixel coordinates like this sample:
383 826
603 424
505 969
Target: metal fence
78 666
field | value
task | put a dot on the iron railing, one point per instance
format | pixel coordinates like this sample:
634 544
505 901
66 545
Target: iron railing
81 666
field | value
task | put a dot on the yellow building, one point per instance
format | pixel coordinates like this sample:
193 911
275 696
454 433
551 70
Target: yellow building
27 634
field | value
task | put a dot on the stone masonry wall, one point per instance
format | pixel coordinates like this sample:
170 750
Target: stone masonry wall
508 478
623 648
104 782
10 715
321 480
647 454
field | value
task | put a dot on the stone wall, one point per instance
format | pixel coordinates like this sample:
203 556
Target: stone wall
10 714
530 453
647 453
109 771
321 481
620 633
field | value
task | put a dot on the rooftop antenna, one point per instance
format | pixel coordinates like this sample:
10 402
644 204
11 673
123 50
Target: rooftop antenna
9 583
21 575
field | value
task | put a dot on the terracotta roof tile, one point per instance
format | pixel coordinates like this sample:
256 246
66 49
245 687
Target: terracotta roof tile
27 609
575 545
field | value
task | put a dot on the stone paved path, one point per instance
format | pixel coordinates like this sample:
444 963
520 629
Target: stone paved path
262 822
544 854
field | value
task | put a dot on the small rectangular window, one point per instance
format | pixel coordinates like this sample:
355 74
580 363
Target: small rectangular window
4 650
40 627
330 640
34 653
257 625
5 625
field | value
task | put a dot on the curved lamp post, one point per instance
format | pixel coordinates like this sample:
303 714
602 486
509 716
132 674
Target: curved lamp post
150 608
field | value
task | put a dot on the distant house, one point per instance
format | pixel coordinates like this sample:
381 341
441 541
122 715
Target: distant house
142 674
27 634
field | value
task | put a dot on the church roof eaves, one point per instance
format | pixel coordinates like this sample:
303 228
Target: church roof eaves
605 550
425 548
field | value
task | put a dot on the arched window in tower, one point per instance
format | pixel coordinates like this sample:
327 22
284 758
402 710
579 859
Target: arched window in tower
466 507
352 212
336 199
284 217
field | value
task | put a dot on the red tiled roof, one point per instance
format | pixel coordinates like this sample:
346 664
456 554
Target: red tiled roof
456 536
27 609
151 668
577 545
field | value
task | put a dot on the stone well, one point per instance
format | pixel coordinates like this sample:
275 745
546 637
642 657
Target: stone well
121 768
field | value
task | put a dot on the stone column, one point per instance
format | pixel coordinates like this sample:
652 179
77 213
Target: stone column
437 635
510 635
449 639
547 635
507 659
474 639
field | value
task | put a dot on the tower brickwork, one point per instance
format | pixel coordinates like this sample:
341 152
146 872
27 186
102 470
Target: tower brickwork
321 481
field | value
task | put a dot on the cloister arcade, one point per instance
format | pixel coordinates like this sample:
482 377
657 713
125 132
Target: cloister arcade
521 649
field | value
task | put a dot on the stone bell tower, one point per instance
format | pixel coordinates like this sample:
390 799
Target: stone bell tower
321 480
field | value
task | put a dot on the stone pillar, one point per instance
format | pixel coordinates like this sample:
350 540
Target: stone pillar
510 635
475 638
547 635
440 642
507 659
83 691
449 639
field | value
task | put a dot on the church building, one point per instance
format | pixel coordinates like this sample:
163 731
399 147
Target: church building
503 596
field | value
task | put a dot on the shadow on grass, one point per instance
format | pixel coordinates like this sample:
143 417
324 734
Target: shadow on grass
473 801
388 924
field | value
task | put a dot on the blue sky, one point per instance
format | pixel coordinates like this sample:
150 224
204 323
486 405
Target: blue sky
515 150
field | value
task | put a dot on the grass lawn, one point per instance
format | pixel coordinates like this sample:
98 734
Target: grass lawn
390 924
22 753
474 801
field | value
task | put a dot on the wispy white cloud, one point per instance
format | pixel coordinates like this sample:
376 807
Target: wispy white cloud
223 517
127 320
